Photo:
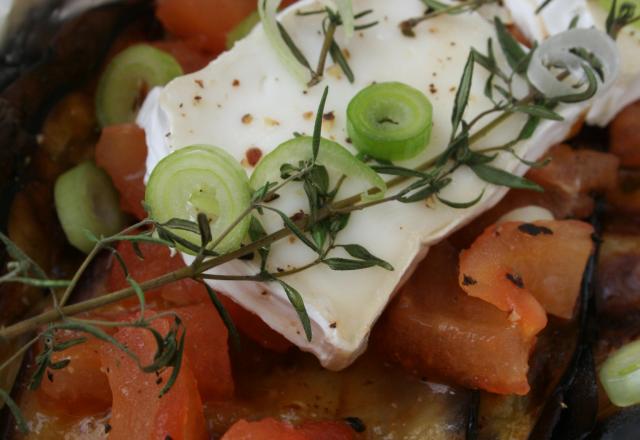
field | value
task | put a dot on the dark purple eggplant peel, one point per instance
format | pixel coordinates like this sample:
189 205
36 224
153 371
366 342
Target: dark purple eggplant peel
49 57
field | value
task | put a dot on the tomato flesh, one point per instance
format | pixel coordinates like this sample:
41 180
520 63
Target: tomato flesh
122 152
137 410
624 138
528 268
434 329
206 347
81 385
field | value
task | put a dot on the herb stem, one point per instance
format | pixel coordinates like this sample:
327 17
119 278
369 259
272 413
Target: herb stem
324 52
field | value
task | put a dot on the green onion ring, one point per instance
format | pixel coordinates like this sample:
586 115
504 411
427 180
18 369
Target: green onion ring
201 178
390 121
620 375
331 155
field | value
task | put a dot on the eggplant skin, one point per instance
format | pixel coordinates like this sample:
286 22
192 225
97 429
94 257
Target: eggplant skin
52 61
50 65
623 425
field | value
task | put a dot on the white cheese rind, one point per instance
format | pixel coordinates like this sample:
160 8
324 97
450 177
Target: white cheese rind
205 107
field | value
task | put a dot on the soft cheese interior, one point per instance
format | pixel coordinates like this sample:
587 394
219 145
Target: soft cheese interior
247 99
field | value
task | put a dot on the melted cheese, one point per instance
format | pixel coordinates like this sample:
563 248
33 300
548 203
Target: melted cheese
210 107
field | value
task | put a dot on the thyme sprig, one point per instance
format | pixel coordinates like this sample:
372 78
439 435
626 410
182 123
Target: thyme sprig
436 8
318 229
619 17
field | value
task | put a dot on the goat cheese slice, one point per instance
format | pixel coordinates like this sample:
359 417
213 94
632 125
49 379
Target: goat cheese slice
247 99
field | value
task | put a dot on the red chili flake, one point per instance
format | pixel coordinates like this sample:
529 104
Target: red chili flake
235 83
333 325
199 82
329 116
432 88
247 119
253 156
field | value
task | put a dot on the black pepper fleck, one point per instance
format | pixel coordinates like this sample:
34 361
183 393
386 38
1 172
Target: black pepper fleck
534 230
468 281
235 83
107 428
356 424
516 280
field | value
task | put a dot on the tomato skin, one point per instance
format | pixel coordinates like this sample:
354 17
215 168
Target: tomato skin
81 385
137 411
205 23
206 347
528 268
122 152
271 429
435 330
190 58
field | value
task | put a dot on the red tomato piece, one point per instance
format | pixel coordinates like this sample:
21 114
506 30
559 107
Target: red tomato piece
81 385
206 347
327 431
527 268
137 411
434 329
157 261
122 152
190 58
267 429
205 23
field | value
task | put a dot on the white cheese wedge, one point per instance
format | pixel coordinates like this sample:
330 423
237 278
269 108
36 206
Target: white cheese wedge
556 18
210 107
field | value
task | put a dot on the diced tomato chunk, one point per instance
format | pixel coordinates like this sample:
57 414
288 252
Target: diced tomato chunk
81 385
255 328
624 137
267 429
157 261
527 268
270 429
122 152
138 411
190 58
205 23
434 329
206 347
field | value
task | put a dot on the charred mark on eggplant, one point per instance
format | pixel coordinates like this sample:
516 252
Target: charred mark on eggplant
534 230
356 424
516 280
468 281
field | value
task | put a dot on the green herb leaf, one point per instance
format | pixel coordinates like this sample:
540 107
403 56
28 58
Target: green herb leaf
298 304
139 293
289 224
512 50
317 128
538 111
462 96
357 251
177 364
344 264
461 205
224 315
15 411
500 177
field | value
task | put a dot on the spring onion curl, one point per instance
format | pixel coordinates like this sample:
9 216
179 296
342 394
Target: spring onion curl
620 375
201 179
345 9
576 53
268 10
